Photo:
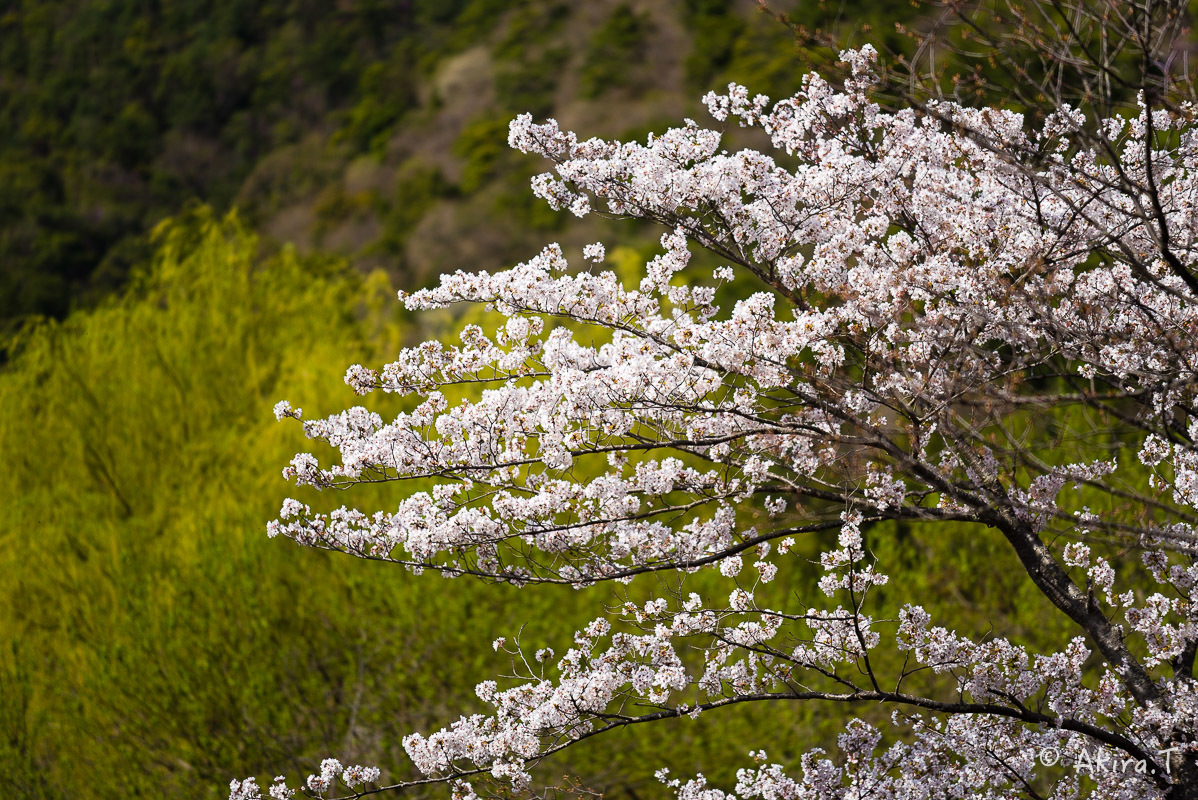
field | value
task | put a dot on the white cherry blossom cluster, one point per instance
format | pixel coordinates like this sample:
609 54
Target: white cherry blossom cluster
939 317
317 785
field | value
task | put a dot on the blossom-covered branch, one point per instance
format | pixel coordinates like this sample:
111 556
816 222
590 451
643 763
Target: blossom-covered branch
931 328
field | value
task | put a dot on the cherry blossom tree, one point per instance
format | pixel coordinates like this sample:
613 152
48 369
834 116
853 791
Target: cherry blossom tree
952 319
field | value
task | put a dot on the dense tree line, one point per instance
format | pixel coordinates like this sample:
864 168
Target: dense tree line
116 115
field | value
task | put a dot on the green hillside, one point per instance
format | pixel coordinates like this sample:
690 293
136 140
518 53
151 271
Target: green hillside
371 129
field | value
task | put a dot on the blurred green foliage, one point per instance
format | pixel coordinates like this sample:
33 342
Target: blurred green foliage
530 58
162 645
714 35
417 187
116 114
614 51
385 92
528 85
482 145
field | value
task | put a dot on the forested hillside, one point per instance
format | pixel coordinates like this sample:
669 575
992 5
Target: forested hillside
373 129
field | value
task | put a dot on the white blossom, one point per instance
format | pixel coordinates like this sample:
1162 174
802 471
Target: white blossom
920 293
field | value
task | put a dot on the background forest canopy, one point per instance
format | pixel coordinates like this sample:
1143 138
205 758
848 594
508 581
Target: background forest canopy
371 129
206 207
